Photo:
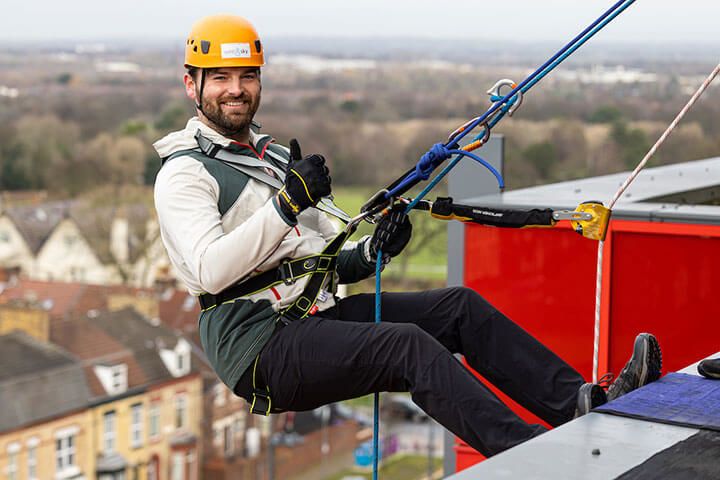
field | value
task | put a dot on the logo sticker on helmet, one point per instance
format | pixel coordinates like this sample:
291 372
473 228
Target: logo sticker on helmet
235 50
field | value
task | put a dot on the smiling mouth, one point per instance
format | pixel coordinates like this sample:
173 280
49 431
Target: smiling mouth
235 104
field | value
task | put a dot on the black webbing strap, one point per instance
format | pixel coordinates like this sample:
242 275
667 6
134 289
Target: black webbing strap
261 401
253 168
302 306
444 208
287 272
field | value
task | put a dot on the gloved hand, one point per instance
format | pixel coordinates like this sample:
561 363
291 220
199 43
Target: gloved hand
306 182
392 232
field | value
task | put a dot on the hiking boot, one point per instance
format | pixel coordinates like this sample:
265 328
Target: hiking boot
590 395
643 367
710 368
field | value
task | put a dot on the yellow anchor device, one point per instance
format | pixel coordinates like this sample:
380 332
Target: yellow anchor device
596 227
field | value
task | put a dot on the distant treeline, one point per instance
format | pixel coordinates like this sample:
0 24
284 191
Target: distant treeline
74 134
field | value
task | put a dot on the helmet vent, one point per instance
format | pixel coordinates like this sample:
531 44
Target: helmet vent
205 46
258 46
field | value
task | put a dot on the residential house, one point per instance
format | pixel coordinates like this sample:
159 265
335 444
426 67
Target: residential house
45 427
75 316
146 394
75 241
113 397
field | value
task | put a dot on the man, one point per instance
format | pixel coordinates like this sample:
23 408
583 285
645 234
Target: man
241 219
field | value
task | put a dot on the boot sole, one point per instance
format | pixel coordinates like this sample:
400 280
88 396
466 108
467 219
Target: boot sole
647 348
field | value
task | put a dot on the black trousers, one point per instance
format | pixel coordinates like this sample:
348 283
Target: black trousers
341 354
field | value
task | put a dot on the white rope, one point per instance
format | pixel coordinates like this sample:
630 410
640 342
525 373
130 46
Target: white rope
618 194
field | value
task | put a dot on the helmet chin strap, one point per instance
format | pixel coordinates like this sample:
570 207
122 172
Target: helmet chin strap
198 104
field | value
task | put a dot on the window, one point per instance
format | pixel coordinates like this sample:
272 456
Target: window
220 395
152 469
181 361
181 411
178 467
11 471
109 431
228 437
32 459
119 378
4 237
136 425
65 452
154 420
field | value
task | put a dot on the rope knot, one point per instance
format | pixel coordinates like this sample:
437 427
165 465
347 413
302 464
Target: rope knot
437 154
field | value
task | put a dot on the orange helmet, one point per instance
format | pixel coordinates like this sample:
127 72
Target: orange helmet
223 41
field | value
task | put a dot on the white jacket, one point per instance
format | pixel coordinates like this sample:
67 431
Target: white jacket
210 252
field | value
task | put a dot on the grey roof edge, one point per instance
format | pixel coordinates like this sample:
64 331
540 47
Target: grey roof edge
650 197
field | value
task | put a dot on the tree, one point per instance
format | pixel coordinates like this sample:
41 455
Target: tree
605 114
541 155
633 143
43 147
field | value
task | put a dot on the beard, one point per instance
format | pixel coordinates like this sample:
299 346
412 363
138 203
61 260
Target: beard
229 124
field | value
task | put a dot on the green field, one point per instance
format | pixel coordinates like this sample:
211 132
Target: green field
427 263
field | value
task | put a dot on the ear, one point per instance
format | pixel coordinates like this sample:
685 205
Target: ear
190 89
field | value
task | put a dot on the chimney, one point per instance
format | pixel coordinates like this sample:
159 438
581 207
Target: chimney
119 239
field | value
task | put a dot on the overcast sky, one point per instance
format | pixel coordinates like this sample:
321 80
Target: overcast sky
652 21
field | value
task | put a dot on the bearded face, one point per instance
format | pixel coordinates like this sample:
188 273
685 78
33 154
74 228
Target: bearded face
230 99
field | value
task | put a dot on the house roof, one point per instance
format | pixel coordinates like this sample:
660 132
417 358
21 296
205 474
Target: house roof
58 298
94 347
31 372
145 340
675 192
37 222
180 311
66 298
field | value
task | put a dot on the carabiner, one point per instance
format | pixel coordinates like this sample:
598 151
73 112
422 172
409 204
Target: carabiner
514 102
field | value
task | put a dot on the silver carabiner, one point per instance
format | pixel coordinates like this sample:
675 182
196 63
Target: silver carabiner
496 96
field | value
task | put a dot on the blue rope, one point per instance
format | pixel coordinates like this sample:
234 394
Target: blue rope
548 66
376 400
424 168
552 66
446 170
441 152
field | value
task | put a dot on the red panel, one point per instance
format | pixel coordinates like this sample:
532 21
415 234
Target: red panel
668 285
658 277
543 279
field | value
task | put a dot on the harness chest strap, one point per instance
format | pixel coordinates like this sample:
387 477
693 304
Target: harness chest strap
252 167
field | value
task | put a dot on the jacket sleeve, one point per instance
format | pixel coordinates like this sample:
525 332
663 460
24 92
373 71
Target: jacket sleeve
186 198
354 262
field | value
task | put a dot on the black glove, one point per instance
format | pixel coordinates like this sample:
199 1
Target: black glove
306 182
392 232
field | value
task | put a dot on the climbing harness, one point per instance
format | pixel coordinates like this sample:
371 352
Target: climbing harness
253 167
616 197
319 269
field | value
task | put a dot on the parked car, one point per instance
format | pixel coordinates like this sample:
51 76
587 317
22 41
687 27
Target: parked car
401 406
